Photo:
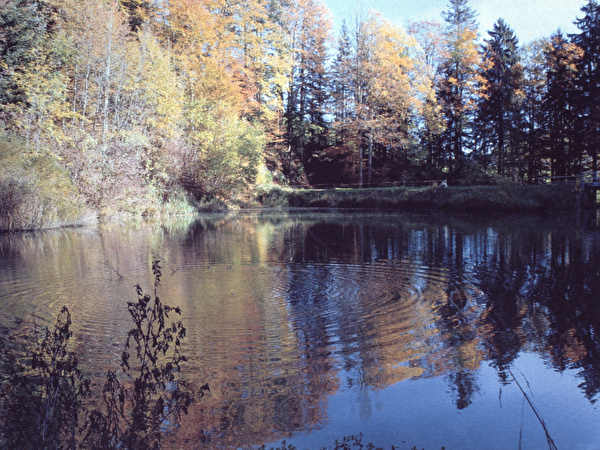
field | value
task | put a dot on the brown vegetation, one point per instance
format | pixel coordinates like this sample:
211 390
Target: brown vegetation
150 108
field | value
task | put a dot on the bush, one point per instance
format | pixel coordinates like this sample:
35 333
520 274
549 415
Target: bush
35 191
42 390
151 395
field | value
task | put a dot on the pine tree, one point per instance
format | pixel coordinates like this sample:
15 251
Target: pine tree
138 12
534 91
499 109
309 28
22 30
562 60
461 86
340 78
588 81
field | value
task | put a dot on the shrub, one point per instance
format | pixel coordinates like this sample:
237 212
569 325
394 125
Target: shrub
43 390
150 396
35 191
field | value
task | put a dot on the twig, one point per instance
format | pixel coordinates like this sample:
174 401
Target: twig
174 267
550 441
114 270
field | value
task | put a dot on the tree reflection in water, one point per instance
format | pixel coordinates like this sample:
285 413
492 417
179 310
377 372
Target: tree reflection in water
285 311
372 300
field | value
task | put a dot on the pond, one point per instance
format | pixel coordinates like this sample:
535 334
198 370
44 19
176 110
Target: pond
422 330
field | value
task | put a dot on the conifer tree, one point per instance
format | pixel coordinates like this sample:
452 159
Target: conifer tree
499 109
22 30
461 86
534 88
340 79
138 12
309 30
588 81
562 60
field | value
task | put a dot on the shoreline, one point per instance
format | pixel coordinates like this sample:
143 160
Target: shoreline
500 199
497 198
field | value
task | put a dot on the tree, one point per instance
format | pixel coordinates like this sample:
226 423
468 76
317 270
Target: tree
264 57
222 144
562 60
499 109
154 117
44 92
309 27
461 85
397 93
429 36
138 11
588 81
380 94
341 92
534 90
22 31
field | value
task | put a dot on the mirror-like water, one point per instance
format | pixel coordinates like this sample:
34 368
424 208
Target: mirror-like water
417 329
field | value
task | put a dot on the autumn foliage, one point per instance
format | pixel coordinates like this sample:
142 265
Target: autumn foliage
147 107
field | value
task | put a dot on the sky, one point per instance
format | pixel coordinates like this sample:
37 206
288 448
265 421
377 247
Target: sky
530 19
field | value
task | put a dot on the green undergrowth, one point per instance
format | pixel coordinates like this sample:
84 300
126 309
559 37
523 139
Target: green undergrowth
498 198
37 191
140 202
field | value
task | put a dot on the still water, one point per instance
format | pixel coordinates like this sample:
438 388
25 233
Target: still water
414 329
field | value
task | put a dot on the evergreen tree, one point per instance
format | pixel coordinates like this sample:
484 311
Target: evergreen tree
138 12
306 100
499 109
461 86
340 79
22 30
562 60
534 91
588 81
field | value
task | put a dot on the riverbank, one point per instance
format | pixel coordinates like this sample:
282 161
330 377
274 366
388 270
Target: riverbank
499 198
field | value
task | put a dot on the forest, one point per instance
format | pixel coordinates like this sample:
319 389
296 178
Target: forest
153 107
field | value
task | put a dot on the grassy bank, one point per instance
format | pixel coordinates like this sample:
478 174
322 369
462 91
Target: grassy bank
499 198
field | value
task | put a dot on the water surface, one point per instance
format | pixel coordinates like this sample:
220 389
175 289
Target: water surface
414 329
